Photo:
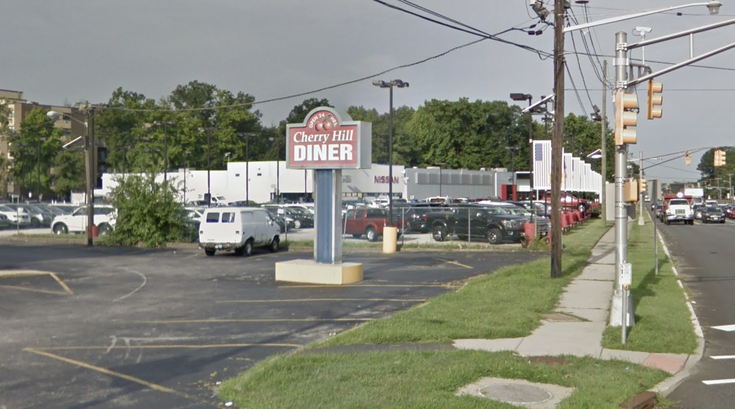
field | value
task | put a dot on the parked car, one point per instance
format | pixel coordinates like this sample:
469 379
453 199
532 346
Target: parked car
415 215
542 223
39 217
4 222
16 217
370 222
713 214
301 218
476 221
238 229
104 219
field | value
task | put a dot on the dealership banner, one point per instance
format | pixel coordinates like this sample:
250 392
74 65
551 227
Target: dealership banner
325 141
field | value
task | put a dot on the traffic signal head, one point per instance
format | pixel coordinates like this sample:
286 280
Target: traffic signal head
643 186
626 117
655 99
688 158
720 158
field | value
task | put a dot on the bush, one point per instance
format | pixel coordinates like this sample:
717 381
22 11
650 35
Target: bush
148 213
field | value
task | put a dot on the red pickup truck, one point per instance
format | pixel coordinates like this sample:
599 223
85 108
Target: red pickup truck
369 222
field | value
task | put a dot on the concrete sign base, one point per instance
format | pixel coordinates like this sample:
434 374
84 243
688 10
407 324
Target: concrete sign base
309 271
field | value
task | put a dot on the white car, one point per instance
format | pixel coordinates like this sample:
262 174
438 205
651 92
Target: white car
17 218
104 219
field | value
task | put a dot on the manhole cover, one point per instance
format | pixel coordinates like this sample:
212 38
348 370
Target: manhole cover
514 393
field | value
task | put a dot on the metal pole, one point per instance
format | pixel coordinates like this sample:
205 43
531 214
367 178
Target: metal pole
624 326
38 166
247 170
603 149
655 239
641 222
621 218
90 174
556 138
165 157
440 180
209 165
278 172
390 157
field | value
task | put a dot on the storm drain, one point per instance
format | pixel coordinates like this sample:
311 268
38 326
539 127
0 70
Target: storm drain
518 392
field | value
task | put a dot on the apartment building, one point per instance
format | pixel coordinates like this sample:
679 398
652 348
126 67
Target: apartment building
18 108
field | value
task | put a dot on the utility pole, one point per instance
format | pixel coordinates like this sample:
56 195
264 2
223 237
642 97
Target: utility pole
603 148
90 152
556 138
641 222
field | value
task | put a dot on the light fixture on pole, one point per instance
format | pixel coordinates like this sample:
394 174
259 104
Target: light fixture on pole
165 143
390 84
278 169
89 153
247 164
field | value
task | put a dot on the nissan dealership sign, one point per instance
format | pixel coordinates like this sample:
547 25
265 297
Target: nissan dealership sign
325 141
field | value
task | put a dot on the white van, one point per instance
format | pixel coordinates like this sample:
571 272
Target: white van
238 229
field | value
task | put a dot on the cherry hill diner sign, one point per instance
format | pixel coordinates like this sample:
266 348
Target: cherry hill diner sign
325 141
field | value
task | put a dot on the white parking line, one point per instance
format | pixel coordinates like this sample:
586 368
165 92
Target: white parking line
719 381
727 328
723 357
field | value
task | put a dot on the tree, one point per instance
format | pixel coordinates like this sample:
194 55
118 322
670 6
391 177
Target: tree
147 212
468 135
68 173
34 149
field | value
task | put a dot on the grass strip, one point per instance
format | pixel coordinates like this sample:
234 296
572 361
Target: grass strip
663 322
419 380
505 304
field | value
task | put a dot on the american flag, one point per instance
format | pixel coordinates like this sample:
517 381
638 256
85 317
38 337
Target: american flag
542 165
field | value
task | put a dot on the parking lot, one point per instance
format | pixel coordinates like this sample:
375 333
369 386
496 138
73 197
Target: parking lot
110 327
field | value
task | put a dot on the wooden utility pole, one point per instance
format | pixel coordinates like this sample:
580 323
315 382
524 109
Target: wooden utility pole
556 138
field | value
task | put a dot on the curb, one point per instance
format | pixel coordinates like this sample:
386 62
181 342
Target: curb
666 387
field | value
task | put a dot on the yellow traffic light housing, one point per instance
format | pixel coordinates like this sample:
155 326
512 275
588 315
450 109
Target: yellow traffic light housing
655 99
630 190
626 116
688 158
720 158
643 186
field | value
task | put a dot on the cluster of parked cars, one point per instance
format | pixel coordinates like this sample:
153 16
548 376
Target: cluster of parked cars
31 215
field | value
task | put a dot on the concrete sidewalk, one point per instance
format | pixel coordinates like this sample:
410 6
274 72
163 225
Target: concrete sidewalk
580 319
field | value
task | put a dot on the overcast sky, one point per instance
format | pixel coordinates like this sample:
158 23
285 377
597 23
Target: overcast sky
67 51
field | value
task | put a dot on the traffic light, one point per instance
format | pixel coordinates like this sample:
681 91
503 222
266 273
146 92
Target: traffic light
655 99
720 158
688 158
626 116
630 191
642 185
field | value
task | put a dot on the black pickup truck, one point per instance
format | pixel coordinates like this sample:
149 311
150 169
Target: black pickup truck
476 222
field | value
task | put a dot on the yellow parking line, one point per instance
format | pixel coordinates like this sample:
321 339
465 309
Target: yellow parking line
106 371
35 290
235 320
169 346
456 263
359 285
321 300
62 284
17 274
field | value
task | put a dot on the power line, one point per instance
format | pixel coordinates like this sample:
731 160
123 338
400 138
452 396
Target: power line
542 54
581 73
576 92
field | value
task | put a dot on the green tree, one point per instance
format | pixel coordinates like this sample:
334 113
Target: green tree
68 175
147 213
34 149
470 135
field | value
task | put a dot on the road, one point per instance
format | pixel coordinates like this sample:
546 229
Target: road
703 254
106 327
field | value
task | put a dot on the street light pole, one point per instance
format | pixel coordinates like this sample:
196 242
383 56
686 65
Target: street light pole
390 84
557 138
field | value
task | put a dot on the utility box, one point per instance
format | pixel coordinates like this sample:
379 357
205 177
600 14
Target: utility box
631 191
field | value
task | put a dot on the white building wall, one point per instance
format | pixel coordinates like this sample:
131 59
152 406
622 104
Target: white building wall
263 179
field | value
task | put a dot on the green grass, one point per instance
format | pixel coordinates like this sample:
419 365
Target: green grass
419 380
505 304
663 321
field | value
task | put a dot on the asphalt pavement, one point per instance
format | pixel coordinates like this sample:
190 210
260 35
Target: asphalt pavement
107 327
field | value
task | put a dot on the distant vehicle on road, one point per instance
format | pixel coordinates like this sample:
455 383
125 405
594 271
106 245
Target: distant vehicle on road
713 214
677 208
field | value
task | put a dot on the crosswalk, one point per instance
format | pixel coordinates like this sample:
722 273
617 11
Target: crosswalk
725 328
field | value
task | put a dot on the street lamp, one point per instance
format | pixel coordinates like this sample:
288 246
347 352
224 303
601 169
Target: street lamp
390 84
89 147
247 164
278 169
517 96
209 130
439 164
165 143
